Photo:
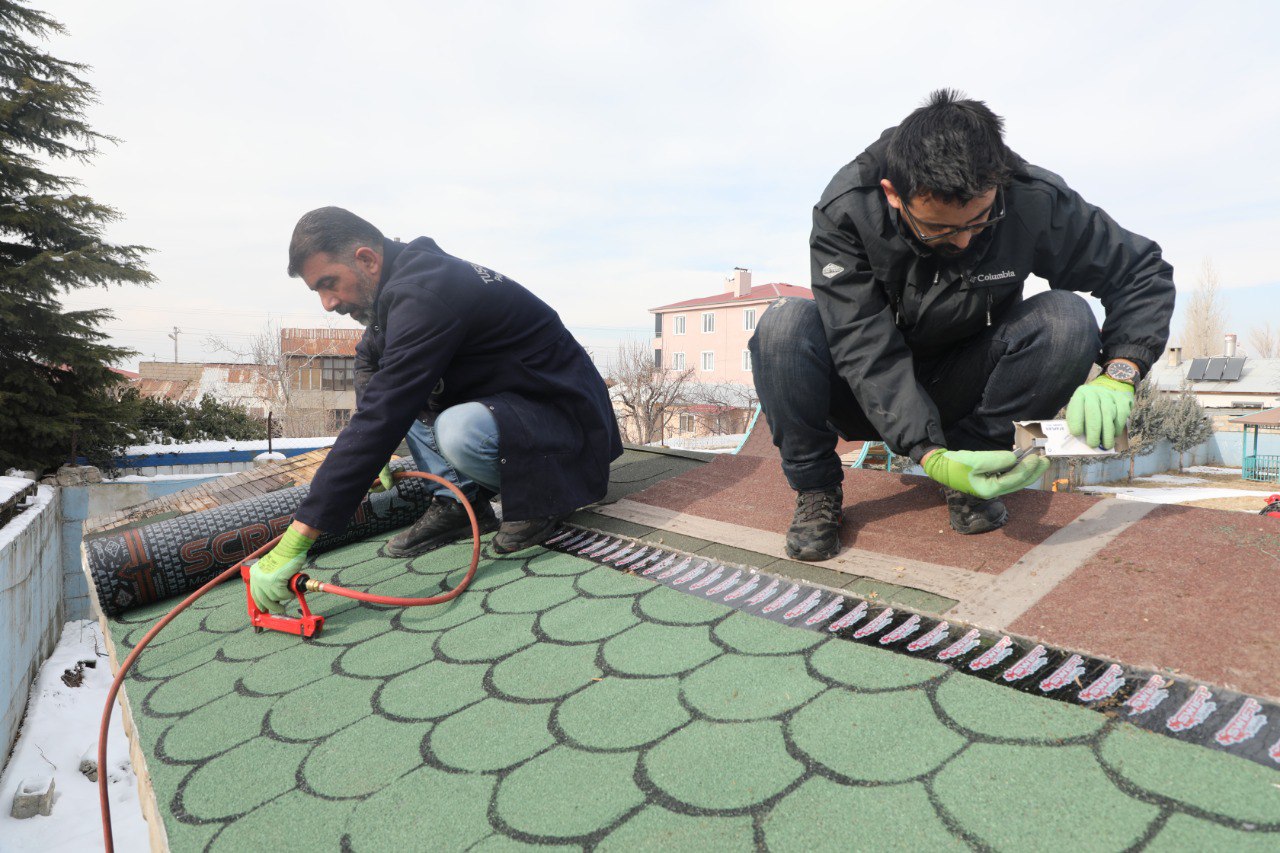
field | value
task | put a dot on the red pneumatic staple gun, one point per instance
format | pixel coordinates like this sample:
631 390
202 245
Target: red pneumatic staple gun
306 626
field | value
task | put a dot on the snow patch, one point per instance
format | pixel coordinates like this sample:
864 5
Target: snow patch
21 521
216 446
10 486
62 725
1174 495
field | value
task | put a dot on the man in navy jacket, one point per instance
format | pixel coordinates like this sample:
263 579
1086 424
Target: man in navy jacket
516 404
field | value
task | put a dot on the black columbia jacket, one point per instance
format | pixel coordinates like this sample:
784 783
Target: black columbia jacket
884 297
447 331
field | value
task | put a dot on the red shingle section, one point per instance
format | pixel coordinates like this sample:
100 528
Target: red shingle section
756 294
892 514
1193 589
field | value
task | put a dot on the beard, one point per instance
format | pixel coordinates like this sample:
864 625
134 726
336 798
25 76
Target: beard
361 314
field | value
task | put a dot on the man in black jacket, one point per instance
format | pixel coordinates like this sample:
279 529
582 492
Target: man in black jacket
918 334
515 402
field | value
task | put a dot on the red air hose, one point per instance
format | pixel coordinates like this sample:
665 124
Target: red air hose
390 600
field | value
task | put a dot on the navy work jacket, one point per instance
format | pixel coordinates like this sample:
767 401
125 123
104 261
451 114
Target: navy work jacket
447 331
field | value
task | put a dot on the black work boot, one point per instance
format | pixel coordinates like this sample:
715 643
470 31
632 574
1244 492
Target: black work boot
444 521
974 515
515 536
815 528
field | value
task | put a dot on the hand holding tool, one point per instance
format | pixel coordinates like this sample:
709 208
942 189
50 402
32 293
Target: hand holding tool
984 474
1099 411
269 577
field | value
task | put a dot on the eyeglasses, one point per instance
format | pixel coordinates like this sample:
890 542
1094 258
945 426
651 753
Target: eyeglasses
998 204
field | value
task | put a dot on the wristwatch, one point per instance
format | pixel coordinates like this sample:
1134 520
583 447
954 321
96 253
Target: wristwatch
1122 372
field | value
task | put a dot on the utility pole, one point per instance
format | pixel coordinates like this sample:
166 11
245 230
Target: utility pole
174 338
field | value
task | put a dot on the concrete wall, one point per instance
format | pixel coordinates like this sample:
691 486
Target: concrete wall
31 609
1221 449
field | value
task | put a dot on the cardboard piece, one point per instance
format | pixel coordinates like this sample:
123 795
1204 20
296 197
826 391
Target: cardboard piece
1054 439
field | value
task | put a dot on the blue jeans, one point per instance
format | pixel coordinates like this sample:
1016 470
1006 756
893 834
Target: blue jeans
1025 367
462 447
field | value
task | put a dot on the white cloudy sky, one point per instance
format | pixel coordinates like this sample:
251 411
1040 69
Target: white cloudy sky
614 156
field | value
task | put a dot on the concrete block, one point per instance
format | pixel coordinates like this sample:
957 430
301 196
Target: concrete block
34 796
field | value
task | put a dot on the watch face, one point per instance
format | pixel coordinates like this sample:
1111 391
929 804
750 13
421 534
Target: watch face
1121 371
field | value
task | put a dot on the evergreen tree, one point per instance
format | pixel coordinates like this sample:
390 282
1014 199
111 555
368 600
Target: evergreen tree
56 386
1189 426
1148 421
169 422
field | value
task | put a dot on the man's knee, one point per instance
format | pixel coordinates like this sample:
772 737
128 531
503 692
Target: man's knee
466 431
787 322
1064 323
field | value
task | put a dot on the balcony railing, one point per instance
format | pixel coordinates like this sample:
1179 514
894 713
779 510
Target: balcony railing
1264 469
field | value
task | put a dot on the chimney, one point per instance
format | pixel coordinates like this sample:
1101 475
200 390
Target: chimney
1175 356
740 282
1229 347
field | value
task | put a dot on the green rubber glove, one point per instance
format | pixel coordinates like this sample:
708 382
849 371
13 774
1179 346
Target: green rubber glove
269 577
984 474
1099 410
385 480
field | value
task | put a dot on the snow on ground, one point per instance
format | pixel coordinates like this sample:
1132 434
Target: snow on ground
1179 488
151 478
1176 495
216 446
10 486
1170 479
62 725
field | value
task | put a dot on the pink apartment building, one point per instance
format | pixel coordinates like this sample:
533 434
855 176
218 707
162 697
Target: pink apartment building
710 334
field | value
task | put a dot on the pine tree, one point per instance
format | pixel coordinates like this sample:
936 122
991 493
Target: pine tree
1148 421
56 385
1189 426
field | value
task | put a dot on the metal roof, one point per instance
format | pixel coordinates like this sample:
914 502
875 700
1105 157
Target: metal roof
1257 376
1269 418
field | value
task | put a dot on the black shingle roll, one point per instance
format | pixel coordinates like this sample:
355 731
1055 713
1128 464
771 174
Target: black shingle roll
138 565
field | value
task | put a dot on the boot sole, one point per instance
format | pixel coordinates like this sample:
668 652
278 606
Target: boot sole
810 556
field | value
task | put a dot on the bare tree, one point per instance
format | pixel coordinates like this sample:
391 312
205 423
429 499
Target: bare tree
727 406
1264 341
279 370
645 397
1205 320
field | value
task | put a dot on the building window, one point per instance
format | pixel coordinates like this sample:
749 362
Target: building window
746 360
657 359
677 361
677 325
709 360
338 419
657 325
337 374
686 423
708 321
749 319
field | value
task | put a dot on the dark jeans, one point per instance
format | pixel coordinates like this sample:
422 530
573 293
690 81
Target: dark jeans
1025 367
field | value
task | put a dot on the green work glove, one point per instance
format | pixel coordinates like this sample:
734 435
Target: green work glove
385 480
269 577
1099 410
984 474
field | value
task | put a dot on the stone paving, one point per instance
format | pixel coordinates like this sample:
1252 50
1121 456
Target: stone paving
560 703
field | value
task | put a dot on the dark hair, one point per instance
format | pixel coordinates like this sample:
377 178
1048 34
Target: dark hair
333 231
952 149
